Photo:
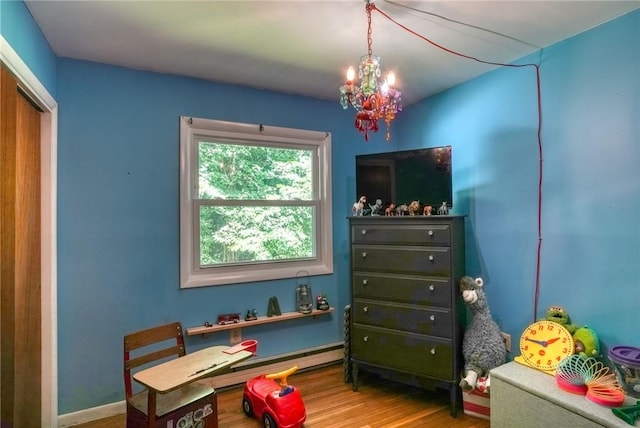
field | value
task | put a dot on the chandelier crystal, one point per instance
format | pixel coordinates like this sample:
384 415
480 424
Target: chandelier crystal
374 98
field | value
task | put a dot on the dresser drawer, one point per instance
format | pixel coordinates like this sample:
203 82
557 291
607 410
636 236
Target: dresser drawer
419 234
408 352
403 288
425 261
411 318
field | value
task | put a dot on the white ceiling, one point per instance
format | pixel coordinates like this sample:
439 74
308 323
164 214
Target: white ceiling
305 47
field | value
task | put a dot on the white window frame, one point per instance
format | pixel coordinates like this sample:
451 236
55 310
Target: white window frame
191 275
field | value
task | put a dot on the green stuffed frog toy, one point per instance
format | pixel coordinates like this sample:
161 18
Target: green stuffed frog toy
559 315
586 342
585 339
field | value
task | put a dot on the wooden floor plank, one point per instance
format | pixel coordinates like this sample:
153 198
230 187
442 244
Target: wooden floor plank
331 403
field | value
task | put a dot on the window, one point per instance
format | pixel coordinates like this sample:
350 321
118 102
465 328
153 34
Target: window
255 202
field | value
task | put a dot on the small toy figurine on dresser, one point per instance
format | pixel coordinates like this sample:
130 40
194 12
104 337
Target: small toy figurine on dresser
402 209
358 206
414 207
376 209
482 345
443 210
390 210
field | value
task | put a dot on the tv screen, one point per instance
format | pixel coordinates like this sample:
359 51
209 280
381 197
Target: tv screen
402 177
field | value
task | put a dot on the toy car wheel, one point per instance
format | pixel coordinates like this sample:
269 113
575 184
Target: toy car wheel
247 408
268 422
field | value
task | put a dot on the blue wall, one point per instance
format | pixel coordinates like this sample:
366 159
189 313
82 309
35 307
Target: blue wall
118 216
118 195
25 37
590 263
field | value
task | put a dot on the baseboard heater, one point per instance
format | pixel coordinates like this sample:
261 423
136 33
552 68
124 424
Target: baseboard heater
305 359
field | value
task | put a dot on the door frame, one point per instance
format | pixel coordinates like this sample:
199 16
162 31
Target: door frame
30 84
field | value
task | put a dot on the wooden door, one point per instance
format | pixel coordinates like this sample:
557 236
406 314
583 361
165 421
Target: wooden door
20 255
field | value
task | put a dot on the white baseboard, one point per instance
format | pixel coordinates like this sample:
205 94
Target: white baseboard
92 414
242 372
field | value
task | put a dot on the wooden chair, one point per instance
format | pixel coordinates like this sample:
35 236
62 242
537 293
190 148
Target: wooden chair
194 405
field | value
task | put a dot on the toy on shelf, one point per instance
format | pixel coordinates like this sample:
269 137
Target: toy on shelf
591 378
629 414
402 209
482 345
358 206
304 297
322 304
586 342
276 404
274 307
626 362
572 375
390 210
543 345
225 319
376 209
558 314
251 315
585 339
414 207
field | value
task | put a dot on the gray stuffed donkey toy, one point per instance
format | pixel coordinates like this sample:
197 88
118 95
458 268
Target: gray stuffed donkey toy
482 346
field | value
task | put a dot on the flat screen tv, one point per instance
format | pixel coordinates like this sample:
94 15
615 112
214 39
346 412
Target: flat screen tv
402 177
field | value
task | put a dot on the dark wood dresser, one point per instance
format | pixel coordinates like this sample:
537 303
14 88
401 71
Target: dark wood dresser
406 311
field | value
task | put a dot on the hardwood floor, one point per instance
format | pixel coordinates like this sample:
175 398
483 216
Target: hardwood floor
330 403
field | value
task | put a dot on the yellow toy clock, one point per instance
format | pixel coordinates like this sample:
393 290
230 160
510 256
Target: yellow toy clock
543 345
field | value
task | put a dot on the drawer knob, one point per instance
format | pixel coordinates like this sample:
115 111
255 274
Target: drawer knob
432 317
364 254
430 233
365 282
366 338
433 351
430 257
366 309
364 231
432 287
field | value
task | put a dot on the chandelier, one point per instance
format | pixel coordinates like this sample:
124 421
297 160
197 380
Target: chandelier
374 98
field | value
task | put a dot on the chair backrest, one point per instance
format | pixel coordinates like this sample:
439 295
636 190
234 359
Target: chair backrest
146 346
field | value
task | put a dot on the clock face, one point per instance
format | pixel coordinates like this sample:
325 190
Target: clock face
544 344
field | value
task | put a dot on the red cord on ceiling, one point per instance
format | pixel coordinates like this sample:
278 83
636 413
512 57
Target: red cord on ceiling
539 134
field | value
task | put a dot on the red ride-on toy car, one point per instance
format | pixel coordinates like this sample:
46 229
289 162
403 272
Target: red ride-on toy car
277 405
